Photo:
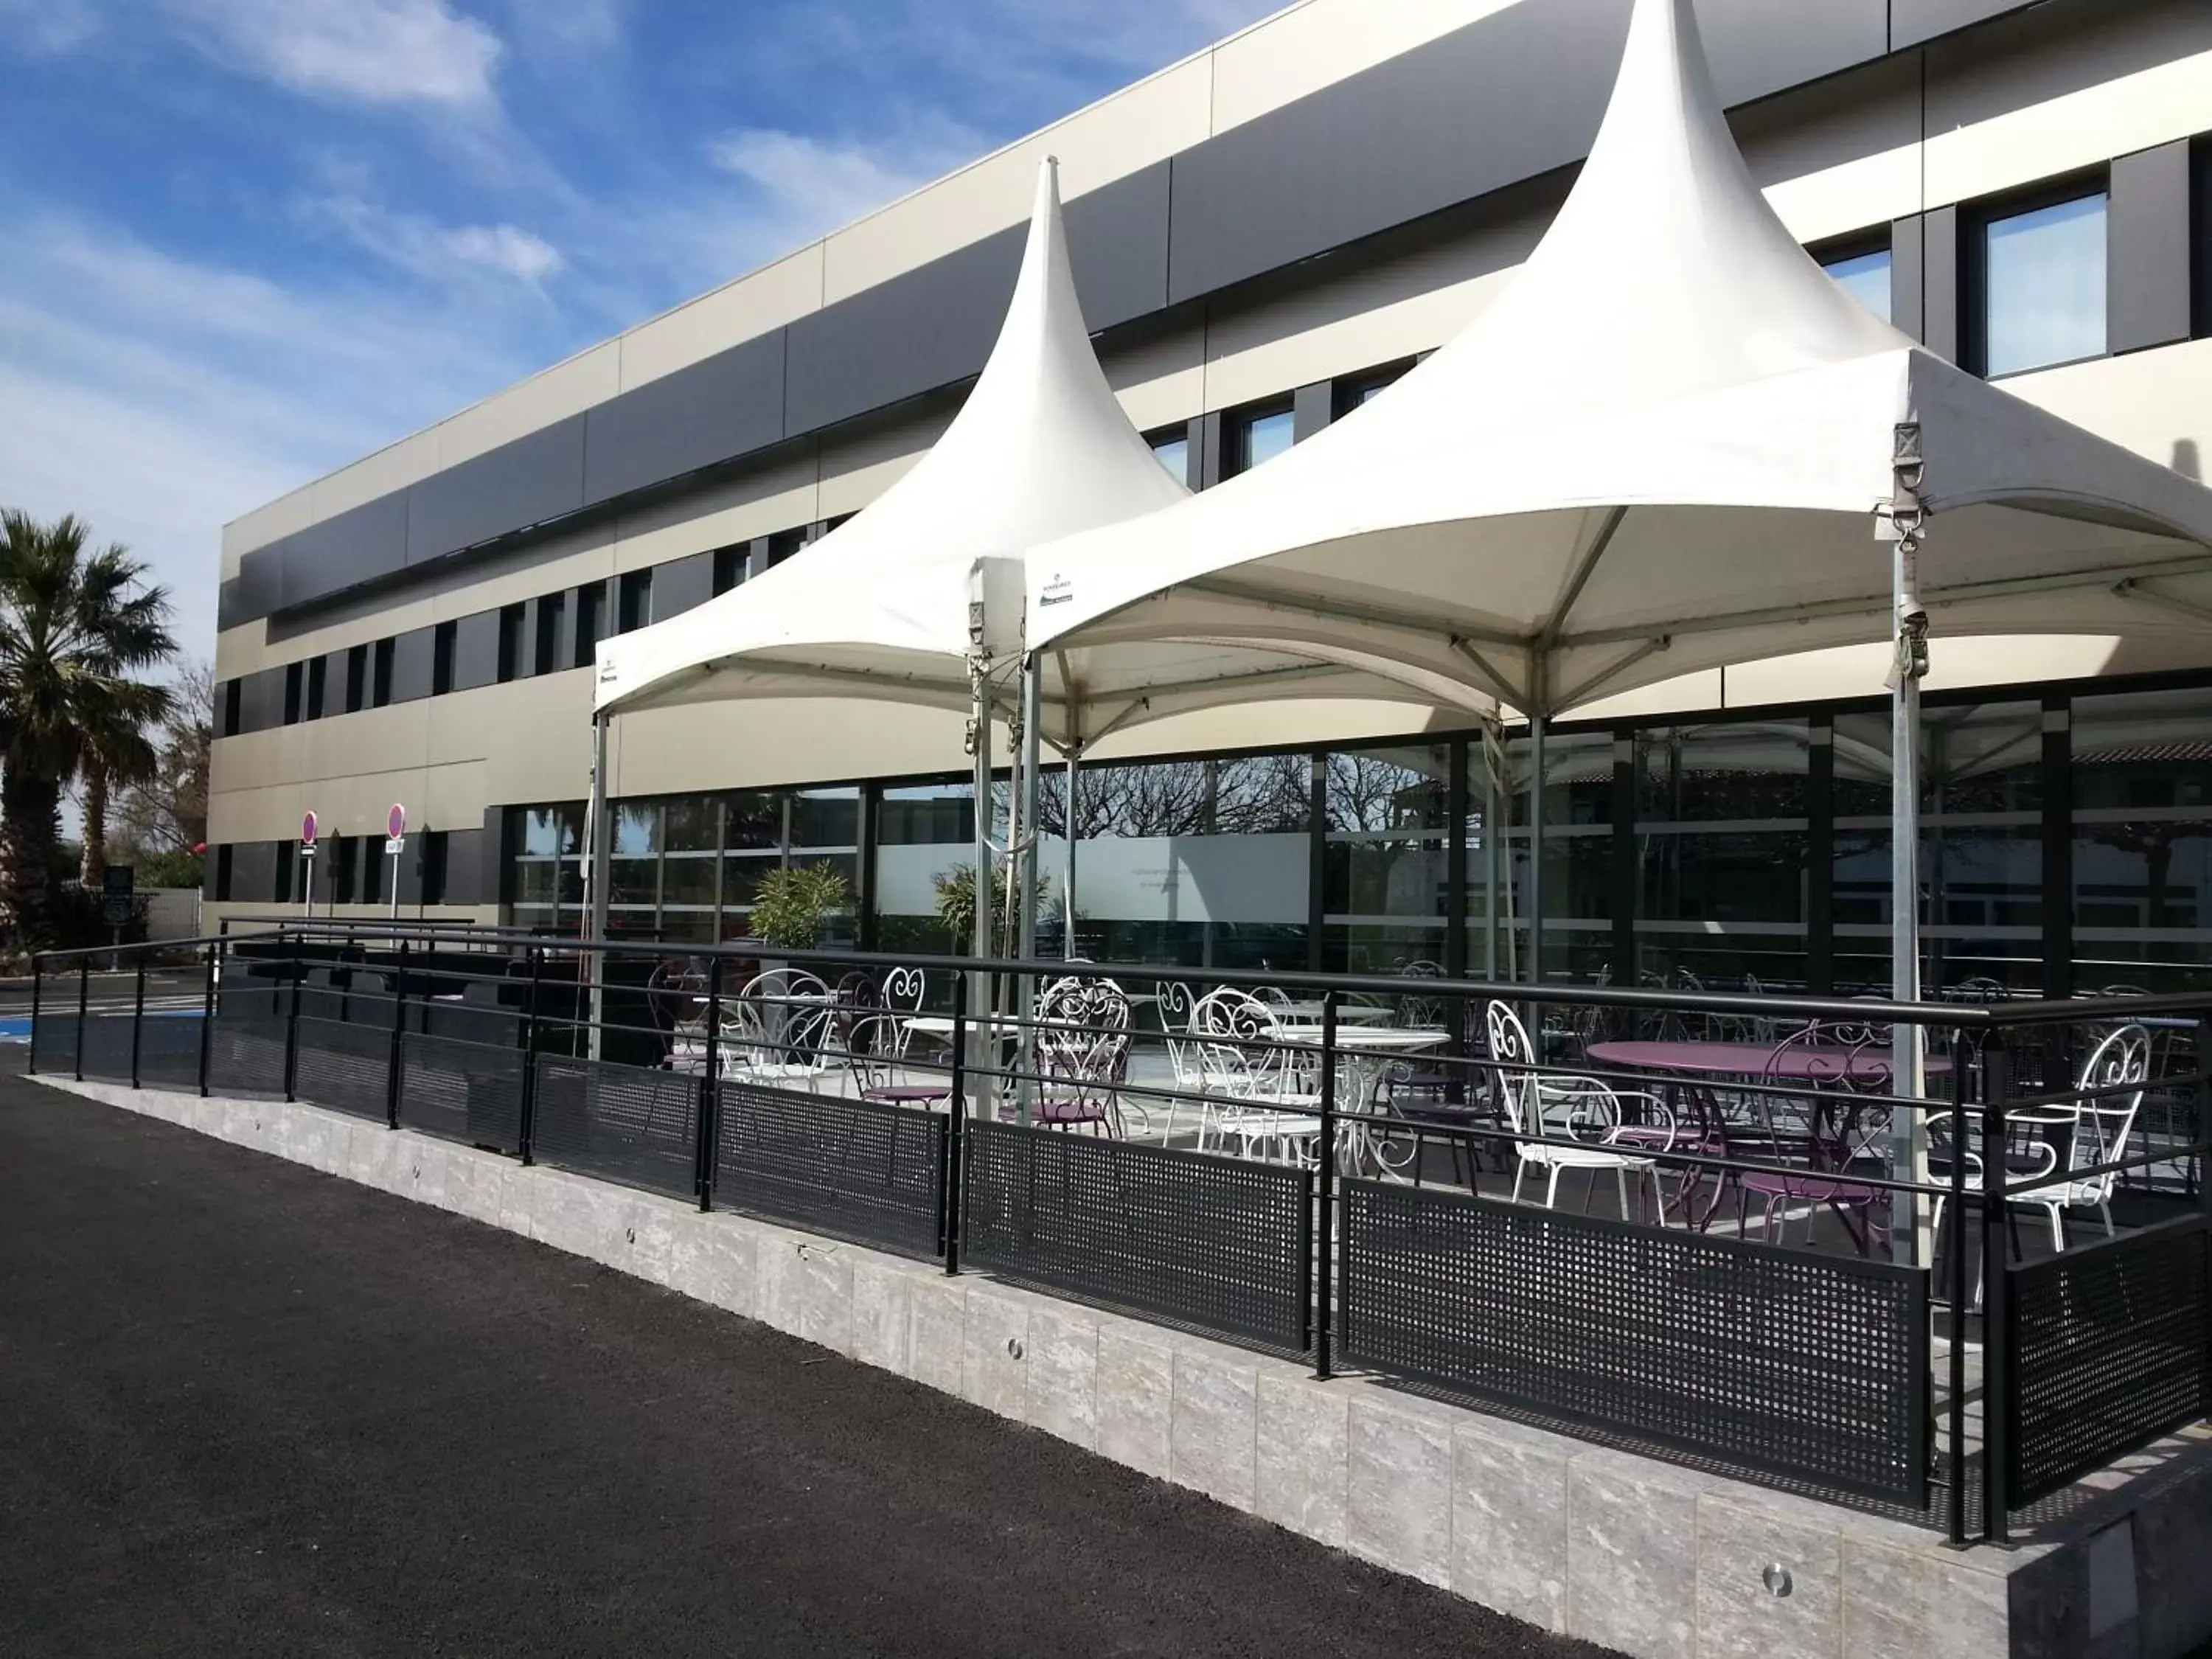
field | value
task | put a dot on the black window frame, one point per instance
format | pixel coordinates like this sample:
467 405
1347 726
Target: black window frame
2200 237
233 705
1975 220
513 620
1237 426
730 566
226 872
295 681
1351 391
357 685
591 620
783 544
552 613
445 647
634 600
381 655
318 686
434 857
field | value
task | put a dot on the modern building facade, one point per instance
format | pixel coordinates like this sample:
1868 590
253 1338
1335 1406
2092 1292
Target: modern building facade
1265 236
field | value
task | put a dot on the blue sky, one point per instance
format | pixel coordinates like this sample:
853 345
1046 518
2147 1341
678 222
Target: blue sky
249 240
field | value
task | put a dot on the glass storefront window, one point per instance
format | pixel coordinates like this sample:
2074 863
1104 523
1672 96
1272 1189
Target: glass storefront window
1722 825
2142 842
1203 862
1386 876
922 830
1578 857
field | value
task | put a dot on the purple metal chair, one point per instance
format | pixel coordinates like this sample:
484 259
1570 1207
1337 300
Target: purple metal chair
1835 1076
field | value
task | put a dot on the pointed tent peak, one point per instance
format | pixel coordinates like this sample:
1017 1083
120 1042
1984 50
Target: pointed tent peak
1666 272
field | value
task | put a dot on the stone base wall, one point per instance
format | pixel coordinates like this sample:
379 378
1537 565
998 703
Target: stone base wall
1643 1557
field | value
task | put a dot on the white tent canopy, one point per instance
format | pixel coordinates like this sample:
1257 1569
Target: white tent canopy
878 606
1663 448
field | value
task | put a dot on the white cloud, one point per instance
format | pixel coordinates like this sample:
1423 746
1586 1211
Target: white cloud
365 51
443 254
48 26
809 187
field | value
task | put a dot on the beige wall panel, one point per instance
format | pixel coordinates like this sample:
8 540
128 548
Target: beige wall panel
546 567
855 472
1311 47
542 747
1840 156
391 468
285 516
566 388
753 305
1161 381
1410 304
1109 140
752 744
2157 403
2135 81
453 797
783 497
245 650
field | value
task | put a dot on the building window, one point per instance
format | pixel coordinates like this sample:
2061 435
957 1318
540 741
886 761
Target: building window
783 544
1256 437
317 678
549 616
1172 447
434 867
232 700
1863 273
2200 239
444 639
510 642
1354 390
730 566
357 685
345 857
544 878
591 618
634 605
286 854
295 692
373 861
2037 279
225 867
380 673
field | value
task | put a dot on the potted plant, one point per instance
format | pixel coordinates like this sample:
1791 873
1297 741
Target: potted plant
955 909
794 902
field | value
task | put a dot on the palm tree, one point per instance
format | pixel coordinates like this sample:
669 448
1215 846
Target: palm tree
75 626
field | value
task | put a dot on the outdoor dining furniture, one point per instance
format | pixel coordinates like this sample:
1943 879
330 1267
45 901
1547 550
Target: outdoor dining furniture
781 1024
1256 1092
1080 1048
1365 1055
1821 1113
1579 1119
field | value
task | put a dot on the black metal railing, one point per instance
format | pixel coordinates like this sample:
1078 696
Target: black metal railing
1796 1271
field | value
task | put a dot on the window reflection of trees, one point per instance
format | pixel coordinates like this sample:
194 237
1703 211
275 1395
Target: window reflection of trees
1254 795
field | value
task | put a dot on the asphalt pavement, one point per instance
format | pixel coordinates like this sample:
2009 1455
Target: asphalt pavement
248 1409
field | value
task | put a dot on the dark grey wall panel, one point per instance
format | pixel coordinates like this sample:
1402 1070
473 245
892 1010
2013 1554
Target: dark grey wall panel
1117 240
1940 330
930 328
1908 270
1311 408
727 404
1911 22
358 545
465 868
682 583
334 683
537 477
2148 232
253 872
412 657
476 651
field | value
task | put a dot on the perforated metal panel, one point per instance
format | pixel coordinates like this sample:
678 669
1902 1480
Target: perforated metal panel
245 1056
471 1092
627 1123
53 1038
1771 1361
107 1047
851 1168
344 1065
169 1052
2110 1345
1220 1243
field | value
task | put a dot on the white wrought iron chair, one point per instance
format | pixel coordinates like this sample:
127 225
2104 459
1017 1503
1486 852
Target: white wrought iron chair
1256 1090
2096 1129
1177 1003
781 1031
1581 1109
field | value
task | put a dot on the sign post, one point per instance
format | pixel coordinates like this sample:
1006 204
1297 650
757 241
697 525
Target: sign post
117 884
307 863
395 843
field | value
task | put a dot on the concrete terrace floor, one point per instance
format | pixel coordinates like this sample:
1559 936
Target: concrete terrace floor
245 1408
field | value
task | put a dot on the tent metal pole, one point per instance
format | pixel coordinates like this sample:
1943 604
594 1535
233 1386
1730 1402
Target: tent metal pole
1024 866
1067 879
1535 849
598 867
1910 1241
979 994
